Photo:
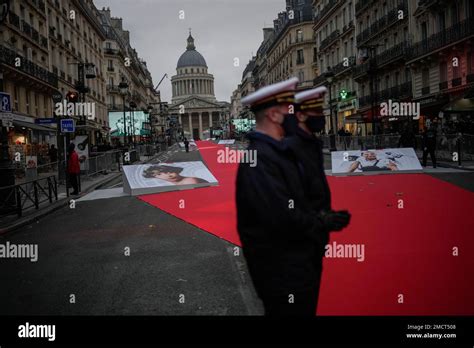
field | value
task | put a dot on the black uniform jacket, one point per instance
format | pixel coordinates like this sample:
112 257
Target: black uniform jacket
308 151
276 224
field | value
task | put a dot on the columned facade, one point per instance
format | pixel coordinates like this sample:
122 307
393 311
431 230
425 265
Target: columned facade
193 101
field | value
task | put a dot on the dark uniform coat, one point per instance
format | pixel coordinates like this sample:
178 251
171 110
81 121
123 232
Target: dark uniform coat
308 151
276 224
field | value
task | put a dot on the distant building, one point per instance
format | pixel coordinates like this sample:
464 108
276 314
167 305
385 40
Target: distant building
194 104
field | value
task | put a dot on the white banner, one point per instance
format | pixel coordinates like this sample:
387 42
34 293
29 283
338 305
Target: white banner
384 160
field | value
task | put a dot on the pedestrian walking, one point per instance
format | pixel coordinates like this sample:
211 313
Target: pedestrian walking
73 168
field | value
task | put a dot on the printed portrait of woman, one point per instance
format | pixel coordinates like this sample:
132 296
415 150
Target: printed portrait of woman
171 174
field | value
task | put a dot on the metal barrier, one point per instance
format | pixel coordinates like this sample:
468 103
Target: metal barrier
102 162
28 195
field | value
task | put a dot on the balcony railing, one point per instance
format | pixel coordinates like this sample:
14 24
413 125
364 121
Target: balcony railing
456 82
344 65
26 28
321 79
443 85
401 91
360 70
42 6
43 41
326 9
35 35
398 51
444 38
113 88
361 5
382 23
7 56
327 41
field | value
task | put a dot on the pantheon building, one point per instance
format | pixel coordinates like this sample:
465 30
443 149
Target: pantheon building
194 103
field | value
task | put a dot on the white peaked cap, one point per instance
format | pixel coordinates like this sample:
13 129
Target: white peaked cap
278 93
315 93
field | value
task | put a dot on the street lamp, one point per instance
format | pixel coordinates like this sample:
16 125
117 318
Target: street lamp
150 121
123 86
332 137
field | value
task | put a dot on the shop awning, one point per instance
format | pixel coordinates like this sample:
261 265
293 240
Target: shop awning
460 105
33 126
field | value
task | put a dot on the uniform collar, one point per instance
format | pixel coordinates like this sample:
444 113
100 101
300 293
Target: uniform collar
259 136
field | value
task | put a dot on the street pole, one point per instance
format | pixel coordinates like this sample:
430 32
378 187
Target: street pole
7 174
124 123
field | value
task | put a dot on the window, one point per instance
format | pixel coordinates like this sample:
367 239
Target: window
454 14
424 31
441 21
299 35
396 81
456 70
299 57
301 75
27 93
443 72
37 105
470 62
425 77
344 17
350 11
108 45
16 97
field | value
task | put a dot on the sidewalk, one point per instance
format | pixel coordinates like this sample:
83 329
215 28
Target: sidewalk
88 184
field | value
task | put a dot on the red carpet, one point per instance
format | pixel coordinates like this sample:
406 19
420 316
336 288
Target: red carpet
408 252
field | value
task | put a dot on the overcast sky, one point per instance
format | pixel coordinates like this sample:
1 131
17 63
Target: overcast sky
222 29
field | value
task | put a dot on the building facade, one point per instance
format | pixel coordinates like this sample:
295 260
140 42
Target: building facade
334 28
122 64
194 104
441 61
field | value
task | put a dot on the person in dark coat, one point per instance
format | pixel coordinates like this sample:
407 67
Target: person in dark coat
407 138
186 144
308 150
277 226
73 168
429 145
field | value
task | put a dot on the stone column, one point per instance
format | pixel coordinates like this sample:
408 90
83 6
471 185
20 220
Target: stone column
200 125
210 120
180 120
190 125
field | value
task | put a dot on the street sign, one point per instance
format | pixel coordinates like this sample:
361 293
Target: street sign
67 125
7 119
57 97
45 120
5 102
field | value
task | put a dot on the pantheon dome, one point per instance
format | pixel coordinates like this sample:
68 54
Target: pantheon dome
191 76
194 103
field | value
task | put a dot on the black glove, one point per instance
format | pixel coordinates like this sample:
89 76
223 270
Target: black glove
335 220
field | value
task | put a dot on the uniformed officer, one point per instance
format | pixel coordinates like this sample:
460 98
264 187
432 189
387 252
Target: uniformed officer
276 223
308 150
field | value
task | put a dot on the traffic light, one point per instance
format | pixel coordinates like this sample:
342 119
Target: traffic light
72 97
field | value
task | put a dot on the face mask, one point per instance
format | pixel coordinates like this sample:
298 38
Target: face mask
316 123
290 124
